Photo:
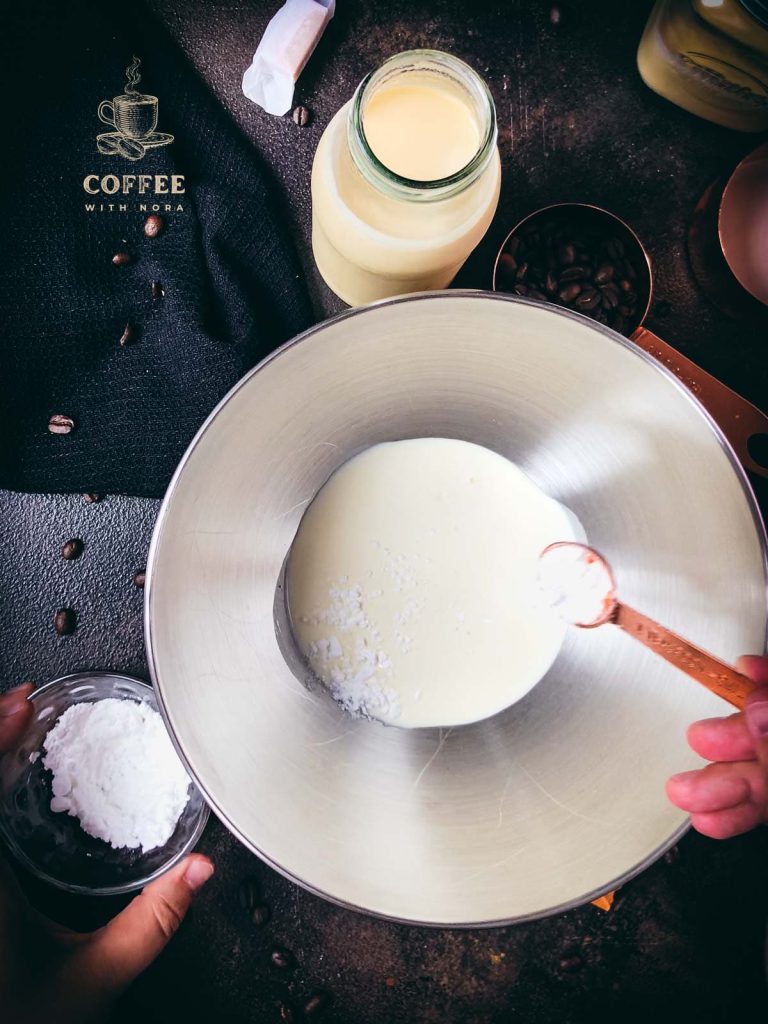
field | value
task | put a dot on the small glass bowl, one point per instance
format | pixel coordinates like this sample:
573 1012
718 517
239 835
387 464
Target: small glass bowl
52 845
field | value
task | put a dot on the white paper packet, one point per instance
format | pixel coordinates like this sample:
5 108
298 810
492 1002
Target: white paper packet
286 46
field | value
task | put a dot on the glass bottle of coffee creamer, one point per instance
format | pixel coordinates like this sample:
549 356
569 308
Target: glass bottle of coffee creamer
405 179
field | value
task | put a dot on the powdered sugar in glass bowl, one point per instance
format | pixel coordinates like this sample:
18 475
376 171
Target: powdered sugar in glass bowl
53 845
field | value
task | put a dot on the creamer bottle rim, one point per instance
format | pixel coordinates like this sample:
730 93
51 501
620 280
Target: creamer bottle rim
387 181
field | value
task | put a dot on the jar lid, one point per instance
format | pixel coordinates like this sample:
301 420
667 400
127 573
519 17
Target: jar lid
758 9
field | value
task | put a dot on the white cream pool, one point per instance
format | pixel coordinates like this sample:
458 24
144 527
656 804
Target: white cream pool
412 583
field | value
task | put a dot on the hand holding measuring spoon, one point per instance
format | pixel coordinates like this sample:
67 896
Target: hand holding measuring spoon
730 795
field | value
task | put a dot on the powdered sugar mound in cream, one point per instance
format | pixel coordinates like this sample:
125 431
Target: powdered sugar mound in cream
412 583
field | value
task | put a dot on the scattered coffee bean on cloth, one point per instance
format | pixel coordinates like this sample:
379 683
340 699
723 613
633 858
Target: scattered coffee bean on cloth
576 262
153 225
60 424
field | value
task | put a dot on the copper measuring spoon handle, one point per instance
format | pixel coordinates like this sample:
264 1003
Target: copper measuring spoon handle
705 668
738 419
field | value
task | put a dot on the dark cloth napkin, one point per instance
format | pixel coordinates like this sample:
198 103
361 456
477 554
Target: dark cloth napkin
213 293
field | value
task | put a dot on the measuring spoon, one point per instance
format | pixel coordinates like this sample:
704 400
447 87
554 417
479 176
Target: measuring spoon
579 584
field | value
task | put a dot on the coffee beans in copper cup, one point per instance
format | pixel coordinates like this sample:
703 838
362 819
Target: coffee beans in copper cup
588 260
580 257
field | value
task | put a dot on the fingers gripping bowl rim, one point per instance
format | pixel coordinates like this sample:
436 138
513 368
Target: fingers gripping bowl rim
505 820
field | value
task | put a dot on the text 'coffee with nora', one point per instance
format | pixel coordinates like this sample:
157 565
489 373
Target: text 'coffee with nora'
133 115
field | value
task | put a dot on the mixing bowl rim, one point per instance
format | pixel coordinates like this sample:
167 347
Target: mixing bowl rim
306 335
108 890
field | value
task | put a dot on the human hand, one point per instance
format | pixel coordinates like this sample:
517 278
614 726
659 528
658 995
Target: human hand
49 973
729 796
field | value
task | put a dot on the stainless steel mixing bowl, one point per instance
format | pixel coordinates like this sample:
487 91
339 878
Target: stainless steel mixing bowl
560 797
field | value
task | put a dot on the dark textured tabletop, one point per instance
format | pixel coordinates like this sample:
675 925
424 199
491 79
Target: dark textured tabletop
685 940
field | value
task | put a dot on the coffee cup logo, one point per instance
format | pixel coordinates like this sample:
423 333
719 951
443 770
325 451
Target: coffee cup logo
133 115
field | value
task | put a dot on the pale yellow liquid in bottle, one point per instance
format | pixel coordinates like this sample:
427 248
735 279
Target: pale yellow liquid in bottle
370 243
420 132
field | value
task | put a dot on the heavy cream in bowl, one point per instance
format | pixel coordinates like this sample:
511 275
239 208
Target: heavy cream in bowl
412 583
542 806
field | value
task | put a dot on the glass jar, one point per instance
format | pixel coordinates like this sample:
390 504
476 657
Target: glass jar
710 57
376 233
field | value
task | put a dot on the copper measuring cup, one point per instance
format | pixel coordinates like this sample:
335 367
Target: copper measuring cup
567 569
738 419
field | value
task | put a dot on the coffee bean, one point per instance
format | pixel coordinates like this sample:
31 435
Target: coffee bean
570 964
513 245
604 273
153 225
551 283
127 336
249 893
608 298
522 270
630 271
260 914
614 247
72 549
539 267
301 116
588 299
157 290
139 579
507 266
536 294
573 274
566 254
91 499
65 621
520 289
618 323
287 1015
121 259
555 15
282 958
625 285
59 424
317 1003
569 293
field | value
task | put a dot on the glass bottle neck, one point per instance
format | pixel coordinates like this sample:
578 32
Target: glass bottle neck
440 70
